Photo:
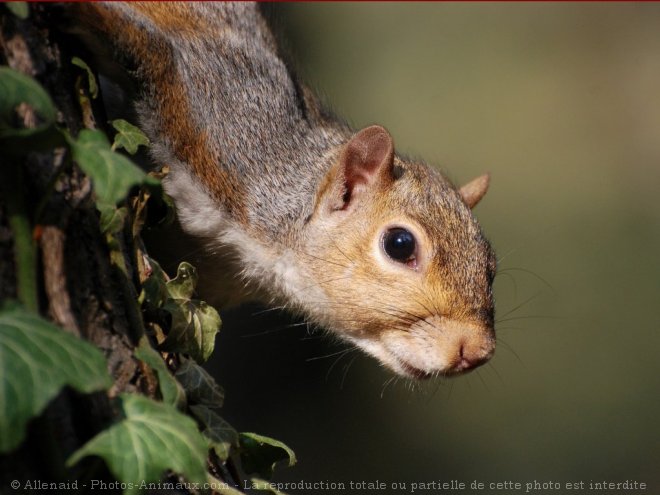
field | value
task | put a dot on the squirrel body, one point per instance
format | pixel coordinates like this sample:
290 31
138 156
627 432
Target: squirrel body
291 206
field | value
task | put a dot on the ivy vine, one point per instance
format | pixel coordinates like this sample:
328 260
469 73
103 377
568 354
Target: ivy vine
179 430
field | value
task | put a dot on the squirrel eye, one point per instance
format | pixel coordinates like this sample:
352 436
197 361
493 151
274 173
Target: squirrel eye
399 244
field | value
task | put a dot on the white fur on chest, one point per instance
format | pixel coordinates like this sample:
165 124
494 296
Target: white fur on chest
198 214
235 266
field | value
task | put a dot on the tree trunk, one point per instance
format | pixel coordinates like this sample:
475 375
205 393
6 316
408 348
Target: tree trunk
79 287
100 351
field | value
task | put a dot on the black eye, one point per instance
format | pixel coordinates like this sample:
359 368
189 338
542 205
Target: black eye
399 244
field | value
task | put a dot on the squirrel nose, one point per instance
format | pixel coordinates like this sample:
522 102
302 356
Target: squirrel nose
471 357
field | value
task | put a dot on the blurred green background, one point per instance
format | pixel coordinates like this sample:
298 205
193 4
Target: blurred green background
561 103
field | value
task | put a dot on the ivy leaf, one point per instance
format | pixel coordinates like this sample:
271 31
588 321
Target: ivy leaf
194 323
220 433
155 286
37 359
260 454
91 80
170 389
194 327
19 9
112 218
17 88
199 385
112 174
128 136
152 438
183 285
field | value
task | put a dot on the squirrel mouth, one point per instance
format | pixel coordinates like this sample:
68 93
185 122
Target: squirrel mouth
460 369
414 372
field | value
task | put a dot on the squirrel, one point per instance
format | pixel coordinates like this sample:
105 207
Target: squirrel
292 207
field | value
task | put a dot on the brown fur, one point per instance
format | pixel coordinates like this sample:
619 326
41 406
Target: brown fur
189 142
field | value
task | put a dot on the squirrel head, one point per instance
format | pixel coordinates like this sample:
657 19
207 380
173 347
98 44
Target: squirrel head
405 269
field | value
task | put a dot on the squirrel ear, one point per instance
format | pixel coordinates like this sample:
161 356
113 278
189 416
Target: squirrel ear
367 158
473 191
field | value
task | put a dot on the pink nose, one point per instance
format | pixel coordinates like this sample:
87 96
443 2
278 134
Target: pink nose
471 357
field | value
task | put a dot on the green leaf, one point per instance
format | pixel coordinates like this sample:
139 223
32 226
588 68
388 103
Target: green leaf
260 454
37 359
152 438
155 286
170 389
19 9
194 323
112 218
201 388
17 88
194 327
220 433
112 174
128 136
91 80
183 285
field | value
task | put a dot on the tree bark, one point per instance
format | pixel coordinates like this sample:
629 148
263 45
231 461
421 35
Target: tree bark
80 288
